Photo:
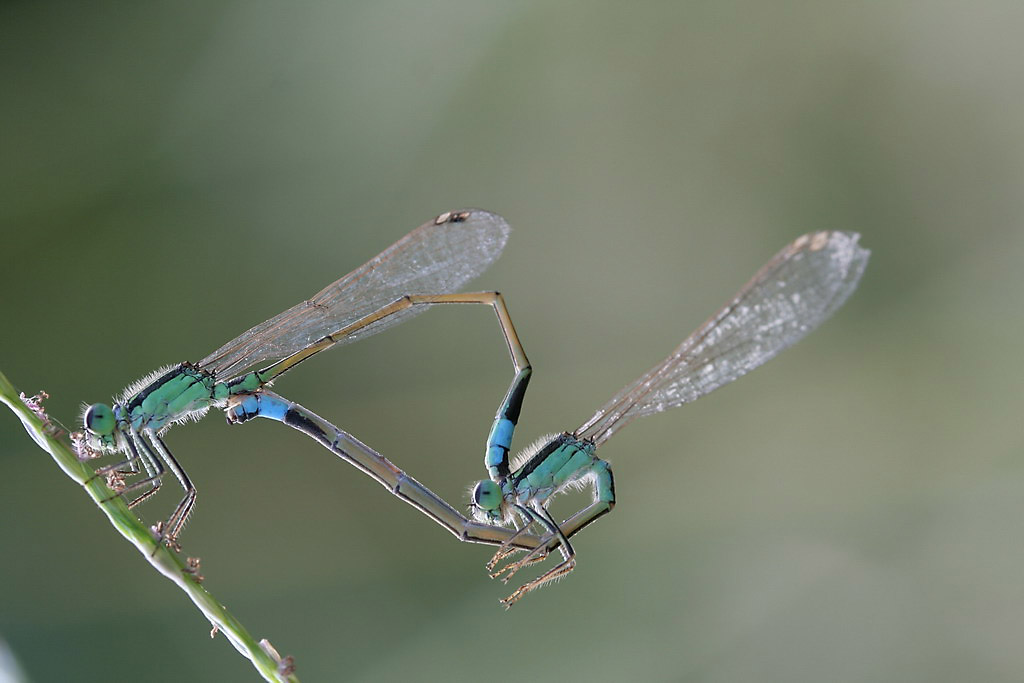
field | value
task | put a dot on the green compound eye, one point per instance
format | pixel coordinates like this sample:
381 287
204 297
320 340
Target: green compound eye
99 419
487 495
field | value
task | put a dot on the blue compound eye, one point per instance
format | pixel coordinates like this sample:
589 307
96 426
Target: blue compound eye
99 419
487 495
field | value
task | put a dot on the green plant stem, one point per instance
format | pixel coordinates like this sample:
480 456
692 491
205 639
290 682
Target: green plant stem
164 560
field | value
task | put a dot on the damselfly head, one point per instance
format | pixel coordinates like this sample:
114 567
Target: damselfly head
100 423
488 502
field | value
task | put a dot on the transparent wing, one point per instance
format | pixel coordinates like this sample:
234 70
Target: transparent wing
439 257
790 296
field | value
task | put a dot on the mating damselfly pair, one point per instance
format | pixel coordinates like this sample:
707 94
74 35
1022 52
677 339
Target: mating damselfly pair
791 295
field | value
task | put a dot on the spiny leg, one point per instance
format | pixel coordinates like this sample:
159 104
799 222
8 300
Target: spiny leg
567 565
154 469
131 462
551 541
172 527
128 466
137 452
603 483
109 471
551 575
537 554
509 548
535 513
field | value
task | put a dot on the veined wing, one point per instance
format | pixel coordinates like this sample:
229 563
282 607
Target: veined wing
790 296
439 257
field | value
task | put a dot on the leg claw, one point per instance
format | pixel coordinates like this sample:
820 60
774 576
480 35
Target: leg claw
551 575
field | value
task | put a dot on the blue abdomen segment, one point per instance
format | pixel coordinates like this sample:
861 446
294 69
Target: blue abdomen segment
498 443
247 406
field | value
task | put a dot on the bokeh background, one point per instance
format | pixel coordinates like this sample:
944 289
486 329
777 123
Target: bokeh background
854 511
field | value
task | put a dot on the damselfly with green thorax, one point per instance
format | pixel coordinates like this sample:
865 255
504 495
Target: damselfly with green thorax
422 269
790 296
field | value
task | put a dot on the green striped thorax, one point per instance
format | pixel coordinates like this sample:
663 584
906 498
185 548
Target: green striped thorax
156 402
544 469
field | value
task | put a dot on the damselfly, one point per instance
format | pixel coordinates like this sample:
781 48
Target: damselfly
424 268
790 296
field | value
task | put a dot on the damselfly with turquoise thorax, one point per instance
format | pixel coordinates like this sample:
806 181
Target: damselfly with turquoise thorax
791 295
424 268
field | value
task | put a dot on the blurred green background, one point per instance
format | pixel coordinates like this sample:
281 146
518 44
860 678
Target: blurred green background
176 172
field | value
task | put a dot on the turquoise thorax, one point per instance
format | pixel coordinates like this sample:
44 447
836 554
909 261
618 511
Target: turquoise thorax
558 462
182 392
